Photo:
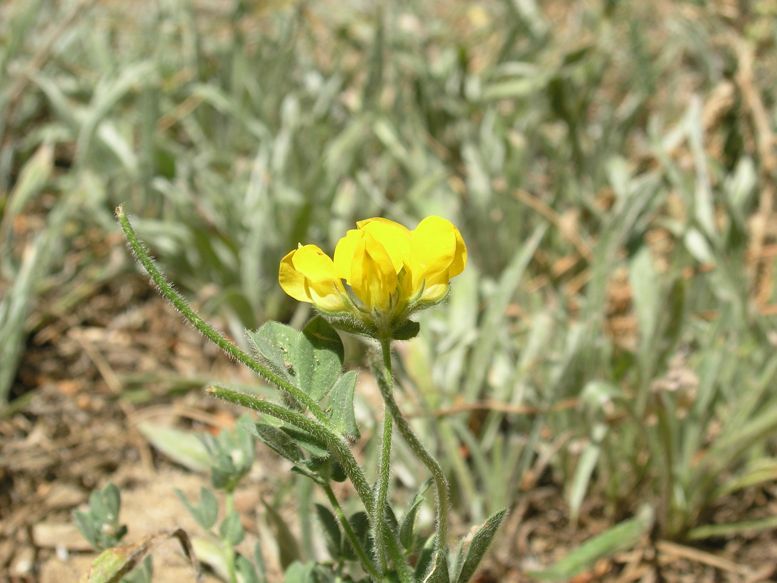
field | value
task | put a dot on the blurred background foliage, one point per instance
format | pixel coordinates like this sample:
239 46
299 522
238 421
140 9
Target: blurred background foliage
611 165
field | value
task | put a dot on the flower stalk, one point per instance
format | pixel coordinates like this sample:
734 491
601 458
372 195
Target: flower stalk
386 384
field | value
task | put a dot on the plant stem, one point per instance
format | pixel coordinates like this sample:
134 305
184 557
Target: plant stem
172 296
339 449
229 508
381 496
366 562
438 475
336 444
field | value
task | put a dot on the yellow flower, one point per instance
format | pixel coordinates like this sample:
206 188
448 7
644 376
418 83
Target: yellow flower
381 273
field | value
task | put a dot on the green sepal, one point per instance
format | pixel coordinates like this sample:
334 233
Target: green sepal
406 330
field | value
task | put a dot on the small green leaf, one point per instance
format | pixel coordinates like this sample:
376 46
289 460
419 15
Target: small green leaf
319 358
111 501
618 538
280 442
408 522
109 566
425 557
276 345
113 564
360 524
310 443
299 573
331 530
180 446
479 545
85 525
206 512
245 570
341 405
231 530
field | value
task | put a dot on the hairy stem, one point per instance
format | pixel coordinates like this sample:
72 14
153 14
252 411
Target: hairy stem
339 449
381 496
172 296
438 475
336 444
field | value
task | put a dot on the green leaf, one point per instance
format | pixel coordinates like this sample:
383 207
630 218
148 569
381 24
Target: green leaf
319 358
312 360
180 446
310 443
206 512
360 524
408 521
479 545
231 530
86 526
618 538
331 530
425 557
494 317
341 405
280 442
300 573
112 564
275 344
746 527
245 570
109 566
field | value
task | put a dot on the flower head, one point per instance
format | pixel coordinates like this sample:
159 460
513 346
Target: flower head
381 272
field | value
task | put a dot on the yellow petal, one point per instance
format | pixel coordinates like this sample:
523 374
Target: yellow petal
434 292
291 280
394 238
373 278
308 274
344 253
314 264
459 256
433 249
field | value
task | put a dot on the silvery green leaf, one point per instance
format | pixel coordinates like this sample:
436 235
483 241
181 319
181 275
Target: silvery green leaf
341 406
318 358
618 538
231 530
182 447
276 345
408 521
280 442
479 545
206 512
